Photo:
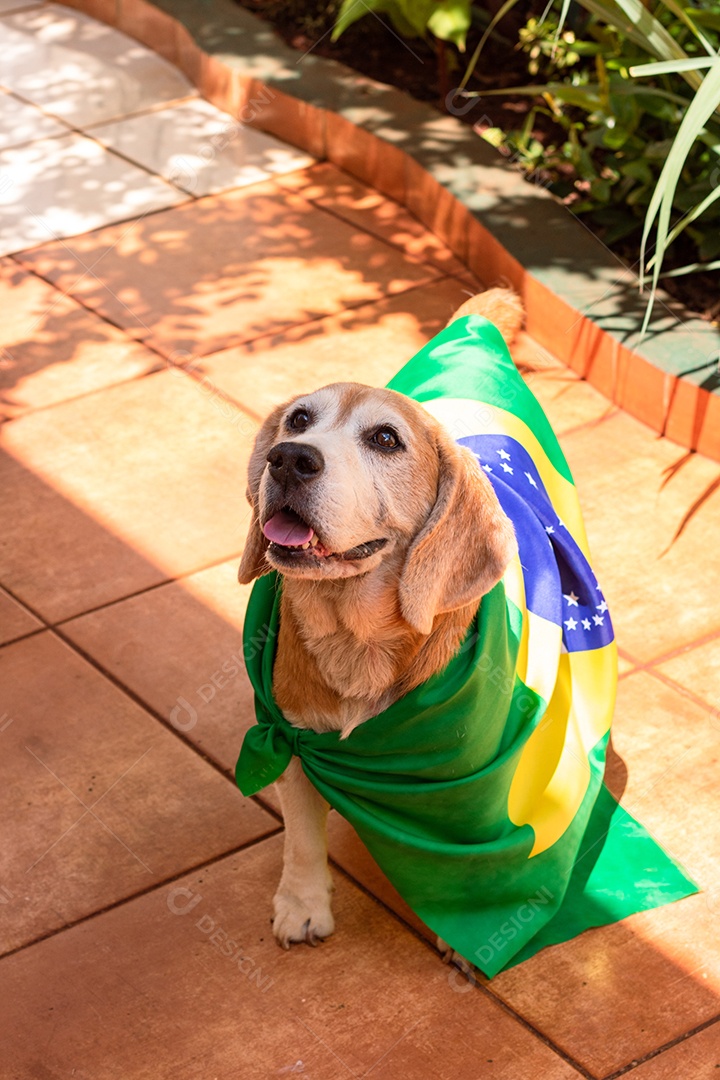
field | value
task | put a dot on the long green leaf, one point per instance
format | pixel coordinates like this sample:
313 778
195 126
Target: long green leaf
691 268
585 97
687 219
507 6
699 112
673 67
561 21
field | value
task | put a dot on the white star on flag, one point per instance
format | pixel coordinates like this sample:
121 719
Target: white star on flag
504 455
598 620
531 479
586 624
602 608
549 529
504 465
570 623
487 468
561 523
572 599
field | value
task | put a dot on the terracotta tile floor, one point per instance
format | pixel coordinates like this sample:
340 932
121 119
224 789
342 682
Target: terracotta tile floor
136 361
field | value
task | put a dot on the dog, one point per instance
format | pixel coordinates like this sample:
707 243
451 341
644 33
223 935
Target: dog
387 536
433 656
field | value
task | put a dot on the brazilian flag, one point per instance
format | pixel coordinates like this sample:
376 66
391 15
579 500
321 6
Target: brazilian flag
480 793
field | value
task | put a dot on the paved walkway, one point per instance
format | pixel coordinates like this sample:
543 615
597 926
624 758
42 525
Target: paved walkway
166 277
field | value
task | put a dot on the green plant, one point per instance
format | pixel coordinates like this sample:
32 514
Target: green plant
447 20
653 145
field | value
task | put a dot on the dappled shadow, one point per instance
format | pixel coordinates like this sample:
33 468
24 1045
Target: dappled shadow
667 475
692 510
51 349
132 492
225 269
81 70
198 148
63 186
710 383
173 649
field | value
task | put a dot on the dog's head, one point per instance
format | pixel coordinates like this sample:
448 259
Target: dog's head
342 478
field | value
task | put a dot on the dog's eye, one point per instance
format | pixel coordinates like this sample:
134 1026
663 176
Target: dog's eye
386 438
298 420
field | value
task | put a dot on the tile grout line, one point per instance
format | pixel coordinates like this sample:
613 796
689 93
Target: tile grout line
680 688
227 396
613 408
246 845
77 129
610 414
48 625
59 239
140 592
545 1039
481 987
629 1068
697 643
156 369
413 259
650 667
28 607
146 110
188 195
141 703
442 271
23 637
141 216
146 343
439 272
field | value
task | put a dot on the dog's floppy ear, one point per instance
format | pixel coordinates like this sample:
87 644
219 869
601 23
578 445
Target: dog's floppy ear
464 547
252 563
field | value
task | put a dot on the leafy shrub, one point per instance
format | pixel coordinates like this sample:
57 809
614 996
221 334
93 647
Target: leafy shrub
639 149
634 97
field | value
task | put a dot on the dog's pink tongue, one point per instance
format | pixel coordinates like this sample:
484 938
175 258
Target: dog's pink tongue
287 529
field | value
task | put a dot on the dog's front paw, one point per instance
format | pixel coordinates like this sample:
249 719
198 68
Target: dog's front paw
306 918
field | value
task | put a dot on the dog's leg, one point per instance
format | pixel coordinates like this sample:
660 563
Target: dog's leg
302 901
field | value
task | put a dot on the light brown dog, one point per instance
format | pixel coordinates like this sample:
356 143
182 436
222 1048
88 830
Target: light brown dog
387 535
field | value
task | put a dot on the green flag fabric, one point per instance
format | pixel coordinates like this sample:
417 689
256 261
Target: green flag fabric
480 792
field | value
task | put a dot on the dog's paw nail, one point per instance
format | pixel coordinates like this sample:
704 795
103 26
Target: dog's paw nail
298 920
311 935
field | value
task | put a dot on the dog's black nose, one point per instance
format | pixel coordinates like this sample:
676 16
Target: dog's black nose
294 463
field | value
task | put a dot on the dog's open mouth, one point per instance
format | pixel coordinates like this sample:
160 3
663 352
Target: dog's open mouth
292 538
